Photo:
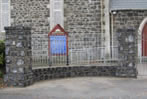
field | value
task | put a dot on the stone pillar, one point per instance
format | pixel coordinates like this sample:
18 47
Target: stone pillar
18 56
127 39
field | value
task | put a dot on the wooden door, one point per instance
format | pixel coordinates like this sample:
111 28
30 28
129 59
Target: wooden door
142 65
144 41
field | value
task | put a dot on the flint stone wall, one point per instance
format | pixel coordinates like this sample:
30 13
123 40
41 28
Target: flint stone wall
18 56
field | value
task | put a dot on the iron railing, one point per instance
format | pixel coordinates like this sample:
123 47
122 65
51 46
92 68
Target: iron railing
142 60
81 56
40 61
89 56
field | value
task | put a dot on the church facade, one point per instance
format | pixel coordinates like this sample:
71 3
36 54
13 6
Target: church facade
89 23
98 32
81 19
94 21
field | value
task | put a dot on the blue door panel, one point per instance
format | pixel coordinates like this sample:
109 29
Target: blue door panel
58 44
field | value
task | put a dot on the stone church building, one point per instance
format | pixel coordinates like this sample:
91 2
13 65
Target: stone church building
98 33
93 21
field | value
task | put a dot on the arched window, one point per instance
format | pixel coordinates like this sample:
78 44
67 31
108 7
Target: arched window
56 13
4 14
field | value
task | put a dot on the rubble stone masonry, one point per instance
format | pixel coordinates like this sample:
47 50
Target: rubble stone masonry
82 21
18 56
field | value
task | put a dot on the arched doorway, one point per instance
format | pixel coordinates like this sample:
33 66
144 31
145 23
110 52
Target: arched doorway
142 49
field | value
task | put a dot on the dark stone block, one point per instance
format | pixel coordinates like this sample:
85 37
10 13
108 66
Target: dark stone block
18 73
52 73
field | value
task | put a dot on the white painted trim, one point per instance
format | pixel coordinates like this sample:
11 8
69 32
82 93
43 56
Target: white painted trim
140 37
52 10
9 12
112 36
9 15
107 28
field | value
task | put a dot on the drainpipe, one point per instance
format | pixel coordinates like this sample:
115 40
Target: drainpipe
112 36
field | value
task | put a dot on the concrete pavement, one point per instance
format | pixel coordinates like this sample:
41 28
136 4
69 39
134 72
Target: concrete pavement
81 88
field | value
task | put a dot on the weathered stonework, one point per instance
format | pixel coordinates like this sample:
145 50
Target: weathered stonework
127 18
79 71
34 14
18 56
19 68
127 52
126 23
82 21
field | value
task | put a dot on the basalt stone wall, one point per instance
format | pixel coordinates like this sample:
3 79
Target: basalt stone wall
127 52
18 56
79 71
83 22
127 18
34 14
126 23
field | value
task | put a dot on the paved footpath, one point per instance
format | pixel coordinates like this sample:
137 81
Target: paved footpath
81 88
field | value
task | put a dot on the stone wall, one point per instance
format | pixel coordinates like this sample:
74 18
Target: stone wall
19 69
127 18
126 26
83 22
79 71
34 14
127 52
18 56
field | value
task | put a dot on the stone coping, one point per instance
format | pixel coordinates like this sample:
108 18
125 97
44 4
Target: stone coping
45 67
